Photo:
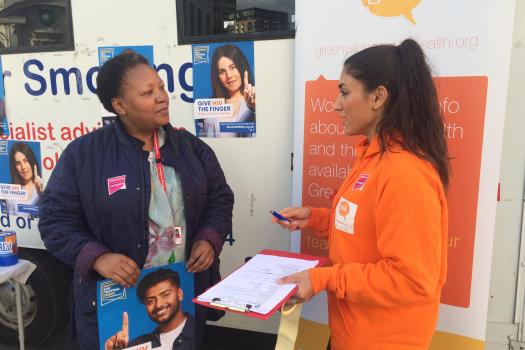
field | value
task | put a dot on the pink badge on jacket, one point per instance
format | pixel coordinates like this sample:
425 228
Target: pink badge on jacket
360 183
116 183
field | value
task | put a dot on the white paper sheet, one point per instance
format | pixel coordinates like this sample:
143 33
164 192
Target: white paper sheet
253 286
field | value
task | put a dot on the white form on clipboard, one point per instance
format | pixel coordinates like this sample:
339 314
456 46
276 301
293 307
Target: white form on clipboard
253 287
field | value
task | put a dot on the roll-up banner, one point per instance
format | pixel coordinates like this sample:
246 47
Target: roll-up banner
468 44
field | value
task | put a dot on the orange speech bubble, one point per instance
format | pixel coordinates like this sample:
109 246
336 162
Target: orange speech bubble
392 8
344 208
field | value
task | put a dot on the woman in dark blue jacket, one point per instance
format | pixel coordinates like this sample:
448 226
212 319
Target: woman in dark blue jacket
135 194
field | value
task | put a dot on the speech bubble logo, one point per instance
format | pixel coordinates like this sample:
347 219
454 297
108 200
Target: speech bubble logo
392 8
344 208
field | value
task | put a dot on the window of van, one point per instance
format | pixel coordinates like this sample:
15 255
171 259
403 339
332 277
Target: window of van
201 21
35 26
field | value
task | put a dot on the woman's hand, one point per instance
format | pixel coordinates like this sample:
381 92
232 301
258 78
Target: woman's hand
201 256
298 218
118 267
305 290
38 180
249 92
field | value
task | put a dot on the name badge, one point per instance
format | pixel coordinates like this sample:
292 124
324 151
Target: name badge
345 215
116 183
178 235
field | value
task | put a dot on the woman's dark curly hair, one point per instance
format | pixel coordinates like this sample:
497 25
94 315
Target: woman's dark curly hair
112 73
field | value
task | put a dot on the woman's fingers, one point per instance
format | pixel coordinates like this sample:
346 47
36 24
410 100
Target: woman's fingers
296 213
131 268
304 285
284 224
121 278
202 263
294 225
118 267
206 256
251 94
201 256
298 218
126 276
249 91
127 271
38 180
290 226
287 211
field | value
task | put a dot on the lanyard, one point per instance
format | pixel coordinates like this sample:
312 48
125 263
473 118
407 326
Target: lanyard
158 160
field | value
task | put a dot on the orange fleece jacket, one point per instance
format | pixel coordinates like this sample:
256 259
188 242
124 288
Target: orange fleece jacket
387 233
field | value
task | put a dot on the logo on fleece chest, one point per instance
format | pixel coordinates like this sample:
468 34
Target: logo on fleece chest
345 212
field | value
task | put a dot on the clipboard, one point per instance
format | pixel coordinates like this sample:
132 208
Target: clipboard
216 304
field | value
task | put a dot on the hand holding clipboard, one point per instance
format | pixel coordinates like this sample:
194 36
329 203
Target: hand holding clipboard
305 290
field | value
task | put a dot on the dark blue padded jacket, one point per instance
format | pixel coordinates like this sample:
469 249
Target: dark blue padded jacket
77 210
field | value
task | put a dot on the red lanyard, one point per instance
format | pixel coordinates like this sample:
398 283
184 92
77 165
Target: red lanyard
158 160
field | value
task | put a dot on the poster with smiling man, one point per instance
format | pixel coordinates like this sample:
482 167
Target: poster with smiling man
156 312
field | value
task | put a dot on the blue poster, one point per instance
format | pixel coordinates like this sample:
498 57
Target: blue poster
224 89
21 182
160 299
107 52
4 126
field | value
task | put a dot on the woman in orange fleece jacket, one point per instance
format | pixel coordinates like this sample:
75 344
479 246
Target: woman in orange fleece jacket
387 228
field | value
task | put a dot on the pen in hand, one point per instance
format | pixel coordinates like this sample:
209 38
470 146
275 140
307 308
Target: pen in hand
292 218
279 216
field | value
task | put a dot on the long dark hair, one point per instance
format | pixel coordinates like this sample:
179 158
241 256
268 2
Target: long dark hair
241 63
412 108
31 159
